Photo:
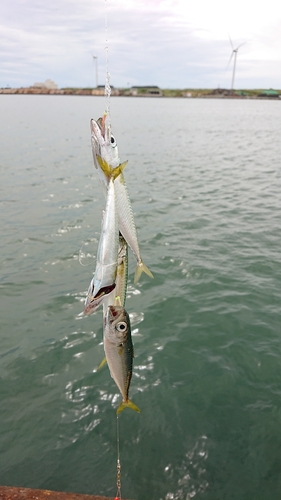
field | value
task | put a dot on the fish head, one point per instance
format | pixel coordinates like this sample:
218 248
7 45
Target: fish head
118 322
104 144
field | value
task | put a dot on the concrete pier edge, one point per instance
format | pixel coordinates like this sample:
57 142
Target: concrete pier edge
17 493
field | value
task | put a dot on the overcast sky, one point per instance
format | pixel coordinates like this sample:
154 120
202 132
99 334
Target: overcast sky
169 43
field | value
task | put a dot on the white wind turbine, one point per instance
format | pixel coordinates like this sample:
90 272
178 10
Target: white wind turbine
234 53
95 58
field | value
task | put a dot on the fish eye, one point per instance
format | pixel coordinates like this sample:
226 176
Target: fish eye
113 142
121 326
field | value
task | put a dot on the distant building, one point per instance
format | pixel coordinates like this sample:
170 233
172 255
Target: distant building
38 85
269 93
146 90
103 87
222 92
100 90
48 84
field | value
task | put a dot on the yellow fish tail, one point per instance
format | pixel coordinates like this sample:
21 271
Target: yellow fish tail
141 268
118 170
108 170
127 404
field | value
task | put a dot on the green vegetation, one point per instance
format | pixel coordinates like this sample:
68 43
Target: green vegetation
172 92
191 92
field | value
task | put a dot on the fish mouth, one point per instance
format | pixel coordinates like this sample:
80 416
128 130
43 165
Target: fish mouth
101 123
113 311
98 128
91 307
93 302
97 139
105 290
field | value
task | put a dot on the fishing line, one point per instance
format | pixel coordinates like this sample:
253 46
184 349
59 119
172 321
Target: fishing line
107 92
107 88
118 475
88 250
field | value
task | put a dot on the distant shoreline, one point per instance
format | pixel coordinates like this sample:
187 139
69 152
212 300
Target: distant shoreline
149 92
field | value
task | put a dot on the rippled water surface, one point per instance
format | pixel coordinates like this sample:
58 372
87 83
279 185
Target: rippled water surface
205 183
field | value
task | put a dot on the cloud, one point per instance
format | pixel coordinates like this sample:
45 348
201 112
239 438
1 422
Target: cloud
165 42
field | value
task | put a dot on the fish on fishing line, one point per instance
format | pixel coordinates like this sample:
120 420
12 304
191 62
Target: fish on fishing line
106 161
118 294
105 274
119 352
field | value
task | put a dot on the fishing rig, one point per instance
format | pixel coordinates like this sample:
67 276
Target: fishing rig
104 288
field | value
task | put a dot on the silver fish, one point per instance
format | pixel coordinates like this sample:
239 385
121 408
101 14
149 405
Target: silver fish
106 160
118 294
104 278
120 291
119 352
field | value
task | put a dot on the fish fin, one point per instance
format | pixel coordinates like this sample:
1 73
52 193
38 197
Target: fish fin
118 170
141 268
120 350
127 404
102 363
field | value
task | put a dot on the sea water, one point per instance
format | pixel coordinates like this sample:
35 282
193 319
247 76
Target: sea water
204 177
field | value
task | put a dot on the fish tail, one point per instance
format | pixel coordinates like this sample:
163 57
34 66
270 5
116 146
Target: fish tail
127 404
118 170
141 268
108 170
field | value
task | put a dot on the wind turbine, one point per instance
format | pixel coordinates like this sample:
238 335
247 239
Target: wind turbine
95 58
234 53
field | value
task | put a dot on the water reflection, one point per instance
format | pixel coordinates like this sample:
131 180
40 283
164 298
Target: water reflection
190 472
